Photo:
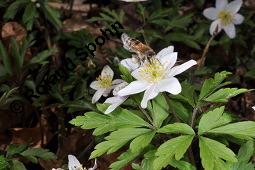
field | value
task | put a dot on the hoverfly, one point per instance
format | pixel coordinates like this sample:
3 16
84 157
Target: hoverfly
143 52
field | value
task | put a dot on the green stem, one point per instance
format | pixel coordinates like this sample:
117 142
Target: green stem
169 103
194 114
145 113
203 58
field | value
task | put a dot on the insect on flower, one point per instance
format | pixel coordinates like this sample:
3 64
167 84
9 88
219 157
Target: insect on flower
74 164
144 52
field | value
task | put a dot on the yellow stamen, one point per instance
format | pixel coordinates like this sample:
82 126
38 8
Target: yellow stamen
226 17
153 71
105 81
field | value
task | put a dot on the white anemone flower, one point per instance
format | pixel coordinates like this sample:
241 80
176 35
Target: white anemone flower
224 17
117 100
74 164
157 76
104 84
253 107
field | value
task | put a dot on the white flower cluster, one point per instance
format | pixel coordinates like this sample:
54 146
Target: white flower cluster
153 77
158 74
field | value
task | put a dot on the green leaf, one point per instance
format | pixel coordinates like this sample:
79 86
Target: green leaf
106 123
181 110
241 130
126 75
17 165
13 149
159 110
5 58
29 15
179 22
182 165
140 142
210 85
116 140
245 153
213 153
177 128
147 162
52 15
187 94
183 38
15 53
213 119
124 159
224 94
4 164
172 149
33 153
12 10
42 56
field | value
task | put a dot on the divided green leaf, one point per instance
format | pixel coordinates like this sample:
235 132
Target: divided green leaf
213 153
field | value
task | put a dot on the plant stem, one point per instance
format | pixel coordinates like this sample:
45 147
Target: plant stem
146 114
169 103
194 114
202 62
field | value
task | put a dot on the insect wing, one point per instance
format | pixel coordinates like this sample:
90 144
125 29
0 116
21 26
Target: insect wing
126 42
73 163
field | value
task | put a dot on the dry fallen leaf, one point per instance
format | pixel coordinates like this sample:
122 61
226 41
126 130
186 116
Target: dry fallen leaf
13 30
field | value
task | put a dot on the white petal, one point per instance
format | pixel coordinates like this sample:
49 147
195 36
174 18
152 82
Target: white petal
238 19
97 95
107 92
165 51
215 27
107 71
234 6
211 13
115 102
130 64
73 162
95 85
133 88
171 85
119 87
136 74
221 4
181 68
253 107
117 81
230 30
169 60
149 94
95 166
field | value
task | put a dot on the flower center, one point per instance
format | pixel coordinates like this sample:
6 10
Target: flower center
105 81
225 17
153 71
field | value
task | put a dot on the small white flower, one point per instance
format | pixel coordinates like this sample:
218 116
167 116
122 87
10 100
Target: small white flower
74 164
157 76
224 17
253 107
116 100
104 84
